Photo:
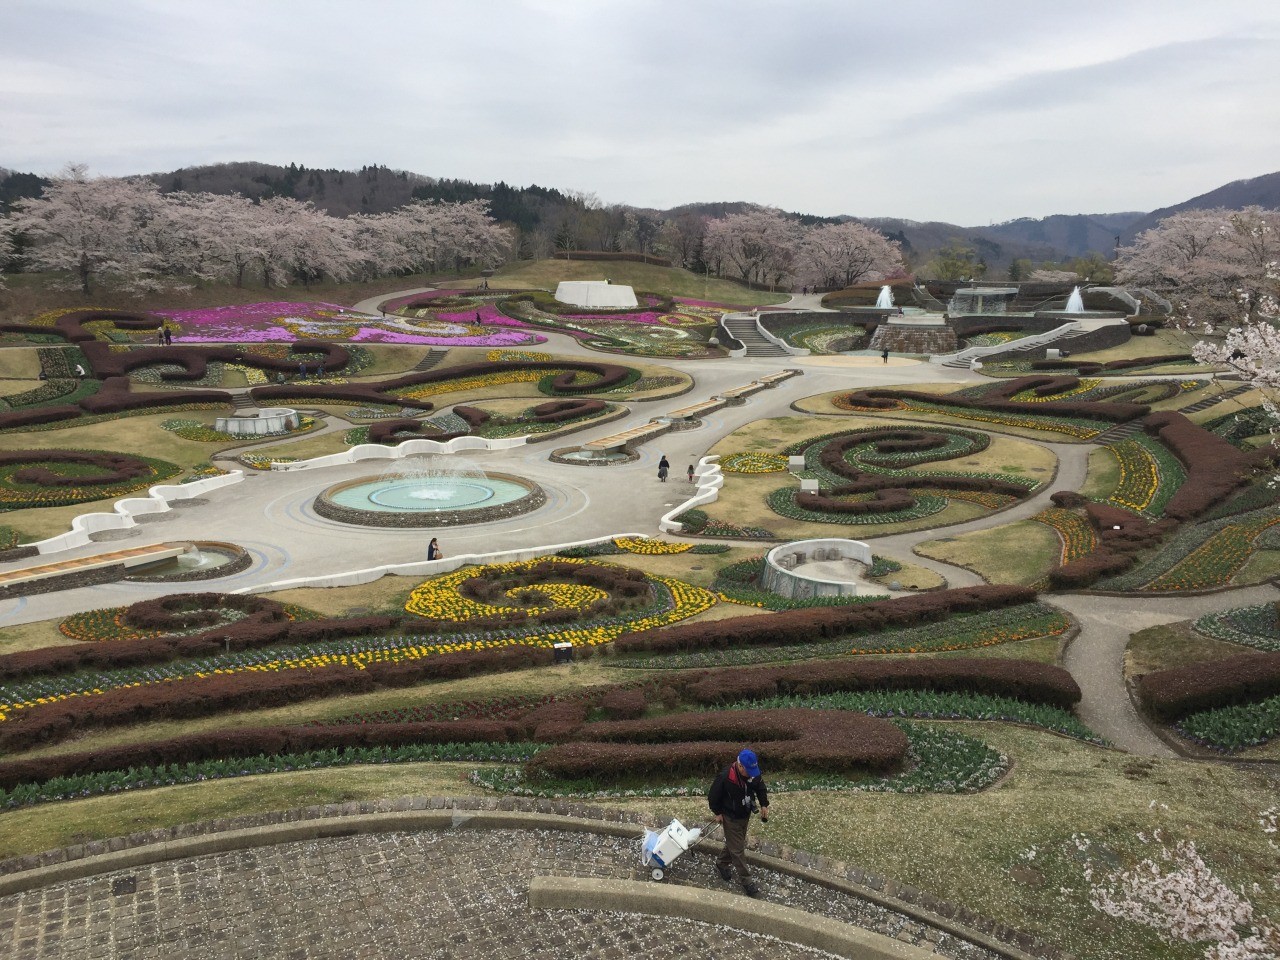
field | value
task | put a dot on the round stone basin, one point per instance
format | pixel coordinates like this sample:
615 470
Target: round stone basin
595 456
428 501
205 561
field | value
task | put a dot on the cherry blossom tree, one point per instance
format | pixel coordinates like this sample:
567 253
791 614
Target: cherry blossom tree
6 246
1205 261
96 229
842 254
760 245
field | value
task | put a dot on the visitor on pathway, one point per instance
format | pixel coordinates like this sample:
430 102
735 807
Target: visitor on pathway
160 337
884 354
691 473
168 335
433 550
664 467
736 793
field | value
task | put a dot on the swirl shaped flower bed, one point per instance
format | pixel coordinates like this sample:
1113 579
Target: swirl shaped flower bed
868 475
55 478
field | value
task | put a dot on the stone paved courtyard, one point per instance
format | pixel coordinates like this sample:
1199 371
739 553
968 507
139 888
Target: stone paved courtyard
455 895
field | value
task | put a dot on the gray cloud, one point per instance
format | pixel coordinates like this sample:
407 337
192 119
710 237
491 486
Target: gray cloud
925 108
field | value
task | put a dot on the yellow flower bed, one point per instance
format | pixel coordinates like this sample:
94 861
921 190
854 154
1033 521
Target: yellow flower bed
1139 476
753 462
650 546
510 356
476 383
1075 532
568 596
1030 396
439 599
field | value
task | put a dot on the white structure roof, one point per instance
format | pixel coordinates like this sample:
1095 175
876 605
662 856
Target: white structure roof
596 293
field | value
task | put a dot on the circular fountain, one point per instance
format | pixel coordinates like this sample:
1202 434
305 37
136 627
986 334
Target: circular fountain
200 560
429 492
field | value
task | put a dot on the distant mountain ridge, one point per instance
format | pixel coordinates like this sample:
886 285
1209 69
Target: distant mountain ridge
1263 191
378 189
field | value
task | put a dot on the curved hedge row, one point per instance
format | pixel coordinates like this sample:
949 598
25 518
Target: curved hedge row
997 399
1215 468
813 623
249 742
1178 692
194 360
248 691
701 743
607 377
113 467
1018 679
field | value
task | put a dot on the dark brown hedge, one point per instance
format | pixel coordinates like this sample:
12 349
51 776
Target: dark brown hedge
113 467
115 397
701 744
997 399
605 376
819 623
1178 692
1019 679
194 360
248 691
253 741
1215 468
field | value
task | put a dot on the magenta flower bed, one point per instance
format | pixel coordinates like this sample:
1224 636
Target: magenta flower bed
286 321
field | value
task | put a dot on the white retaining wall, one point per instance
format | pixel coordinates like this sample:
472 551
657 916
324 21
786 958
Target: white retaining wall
410 448
157 500
710 478
795 583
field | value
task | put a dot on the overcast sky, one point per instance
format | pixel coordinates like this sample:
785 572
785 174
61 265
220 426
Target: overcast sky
969 112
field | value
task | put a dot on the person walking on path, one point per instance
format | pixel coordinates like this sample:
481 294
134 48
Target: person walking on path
735 793
433 550
691 480
884 354
664 467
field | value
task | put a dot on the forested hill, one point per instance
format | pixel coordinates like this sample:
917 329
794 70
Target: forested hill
1261 191
373 189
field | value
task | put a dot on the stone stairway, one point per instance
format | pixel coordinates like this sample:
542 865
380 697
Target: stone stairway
241 398
1121 431
1215 399
434 356
1062 340
744 331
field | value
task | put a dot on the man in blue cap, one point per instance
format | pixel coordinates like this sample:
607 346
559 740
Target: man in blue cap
733 796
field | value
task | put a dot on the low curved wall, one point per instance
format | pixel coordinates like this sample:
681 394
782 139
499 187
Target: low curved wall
157 501
710 478
784 568
410 448
266 420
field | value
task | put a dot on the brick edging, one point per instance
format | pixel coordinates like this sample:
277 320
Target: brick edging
32 871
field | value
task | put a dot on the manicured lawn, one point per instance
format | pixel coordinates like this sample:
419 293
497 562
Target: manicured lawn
545 274
1019 552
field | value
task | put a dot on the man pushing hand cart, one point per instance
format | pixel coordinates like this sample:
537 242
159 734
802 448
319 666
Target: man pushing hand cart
737 792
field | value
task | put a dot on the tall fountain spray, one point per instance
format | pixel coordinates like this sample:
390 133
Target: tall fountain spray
885 300
1075 302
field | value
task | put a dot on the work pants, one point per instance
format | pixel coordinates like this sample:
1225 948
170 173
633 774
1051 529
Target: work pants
735 844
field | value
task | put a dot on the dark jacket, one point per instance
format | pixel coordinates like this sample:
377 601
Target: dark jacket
731 794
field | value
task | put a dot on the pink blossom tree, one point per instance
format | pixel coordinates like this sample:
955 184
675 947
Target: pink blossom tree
842 254
96 229
6 246
760 245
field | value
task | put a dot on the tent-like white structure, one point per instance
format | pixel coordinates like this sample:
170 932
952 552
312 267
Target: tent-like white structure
596 293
